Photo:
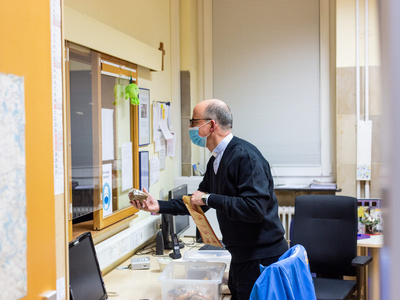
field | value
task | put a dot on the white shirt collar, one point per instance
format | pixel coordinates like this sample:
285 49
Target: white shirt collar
222 145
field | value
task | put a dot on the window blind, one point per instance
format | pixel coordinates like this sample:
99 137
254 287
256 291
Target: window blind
117 70
266 67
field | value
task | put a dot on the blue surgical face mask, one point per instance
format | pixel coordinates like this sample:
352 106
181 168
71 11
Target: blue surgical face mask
196 138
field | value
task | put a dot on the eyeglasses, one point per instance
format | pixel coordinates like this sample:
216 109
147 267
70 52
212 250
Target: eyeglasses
192 121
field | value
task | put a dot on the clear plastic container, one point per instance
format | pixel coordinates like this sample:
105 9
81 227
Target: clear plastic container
192 280
208 256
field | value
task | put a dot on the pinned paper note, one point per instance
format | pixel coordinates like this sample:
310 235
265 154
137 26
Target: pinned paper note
171 145
162 119
107 190
164 128
364 146
107 134
154 170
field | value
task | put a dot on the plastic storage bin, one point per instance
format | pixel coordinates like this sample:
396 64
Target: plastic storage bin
192 280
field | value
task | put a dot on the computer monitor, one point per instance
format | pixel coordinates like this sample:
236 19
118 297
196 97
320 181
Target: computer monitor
85 277
181 222
175 223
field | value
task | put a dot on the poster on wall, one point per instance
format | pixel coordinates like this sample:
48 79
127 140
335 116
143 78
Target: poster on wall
107 190
13 222
144 117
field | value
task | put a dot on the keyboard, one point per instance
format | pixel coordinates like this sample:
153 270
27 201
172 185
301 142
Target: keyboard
211 247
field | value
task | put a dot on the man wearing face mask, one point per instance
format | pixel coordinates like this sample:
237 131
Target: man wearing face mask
238 184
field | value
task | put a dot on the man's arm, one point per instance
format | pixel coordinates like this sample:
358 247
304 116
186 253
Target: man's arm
173 207
150 204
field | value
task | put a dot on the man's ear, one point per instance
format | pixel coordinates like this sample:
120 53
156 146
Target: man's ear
213 124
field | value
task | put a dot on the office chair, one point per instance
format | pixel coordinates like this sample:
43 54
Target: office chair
289 278
326 225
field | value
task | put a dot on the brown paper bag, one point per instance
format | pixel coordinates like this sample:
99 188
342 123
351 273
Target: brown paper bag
206 231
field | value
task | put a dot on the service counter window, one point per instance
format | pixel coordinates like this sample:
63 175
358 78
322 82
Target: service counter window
102 137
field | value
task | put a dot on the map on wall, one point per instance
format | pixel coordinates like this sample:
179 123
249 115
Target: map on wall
13 275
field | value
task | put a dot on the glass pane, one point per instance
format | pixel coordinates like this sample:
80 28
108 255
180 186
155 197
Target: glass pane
116 136
84 176
101 162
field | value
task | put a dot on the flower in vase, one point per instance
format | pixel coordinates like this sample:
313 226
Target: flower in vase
370 220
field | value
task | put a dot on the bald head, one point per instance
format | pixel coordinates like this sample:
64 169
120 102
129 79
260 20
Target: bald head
218 111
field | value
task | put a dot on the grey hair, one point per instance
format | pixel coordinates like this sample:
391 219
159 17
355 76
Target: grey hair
220 113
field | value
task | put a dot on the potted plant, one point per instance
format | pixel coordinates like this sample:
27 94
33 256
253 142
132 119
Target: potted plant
370 222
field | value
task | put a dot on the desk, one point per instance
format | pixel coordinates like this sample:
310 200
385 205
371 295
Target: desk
371 247
141 284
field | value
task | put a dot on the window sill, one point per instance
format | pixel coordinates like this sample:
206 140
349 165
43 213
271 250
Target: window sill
101 235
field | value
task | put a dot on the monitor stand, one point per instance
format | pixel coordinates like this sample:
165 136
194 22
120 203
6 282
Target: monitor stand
169 245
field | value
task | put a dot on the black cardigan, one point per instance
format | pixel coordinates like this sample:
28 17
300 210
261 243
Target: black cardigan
242 192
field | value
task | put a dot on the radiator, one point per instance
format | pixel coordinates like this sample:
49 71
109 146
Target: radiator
286 214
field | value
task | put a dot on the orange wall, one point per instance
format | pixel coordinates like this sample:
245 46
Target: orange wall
25 51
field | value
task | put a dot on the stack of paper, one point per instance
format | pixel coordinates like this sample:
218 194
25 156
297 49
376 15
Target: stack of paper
323 185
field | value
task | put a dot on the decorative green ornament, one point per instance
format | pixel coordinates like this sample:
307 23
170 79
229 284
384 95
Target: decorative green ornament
132 92
119 93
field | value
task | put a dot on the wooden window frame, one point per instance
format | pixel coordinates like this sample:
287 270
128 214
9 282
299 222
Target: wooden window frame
99 222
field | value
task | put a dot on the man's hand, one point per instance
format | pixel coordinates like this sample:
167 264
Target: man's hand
149 204
196 198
